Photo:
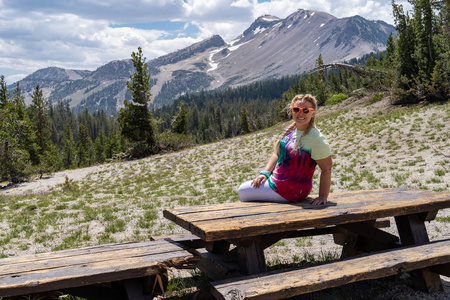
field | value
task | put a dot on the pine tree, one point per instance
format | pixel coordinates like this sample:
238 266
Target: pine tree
135 118
40 119
193 120
320 87
100 147
245 128
421 52
41 125
24 133
424 52
404 51
14 160
229 130
180 121
4 94
440 78
113 146
84 147
68 148
218 121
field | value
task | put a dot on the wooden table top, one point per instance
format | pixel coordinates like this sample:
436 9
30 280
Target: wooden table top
249 219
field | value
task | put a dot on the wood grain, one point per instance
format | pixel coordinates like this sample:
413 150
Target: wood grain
87 266
243 219
289 283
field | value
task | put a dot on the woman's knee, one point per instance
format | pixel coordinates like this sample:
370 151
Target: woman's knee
244 190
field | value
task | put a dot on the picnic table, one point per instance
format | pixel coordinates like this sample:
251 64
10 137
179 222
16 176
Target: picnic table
350 216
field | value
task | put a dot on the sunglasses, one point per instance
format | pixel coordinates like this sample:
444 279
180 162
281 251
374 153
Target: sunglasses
304 110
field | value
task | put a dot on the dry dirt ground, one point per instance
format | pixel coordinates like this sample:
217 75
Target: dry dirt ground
282 252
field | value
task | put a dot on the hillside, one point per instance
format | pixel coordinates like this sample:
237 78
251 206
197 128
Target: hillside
374 145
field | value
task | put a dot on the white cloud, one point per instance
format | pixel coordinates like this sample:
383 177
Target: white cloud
218 11
241 3
117 11
283 8
372 10
14 78
69 41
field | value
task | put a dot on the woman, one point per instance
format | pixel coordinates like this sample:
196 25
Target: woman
288 174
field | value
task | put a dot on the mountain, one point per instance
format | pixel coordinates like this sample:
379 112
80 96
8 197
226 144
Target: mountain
270 48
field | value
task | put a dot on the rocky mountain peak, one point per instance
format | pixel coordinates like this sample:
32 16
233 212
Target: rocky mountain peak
260 24
172 58
56 74
114 70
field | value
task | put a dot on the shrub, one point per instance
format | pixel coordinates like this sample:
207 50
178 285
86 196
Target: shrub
335 99
377 96
170 141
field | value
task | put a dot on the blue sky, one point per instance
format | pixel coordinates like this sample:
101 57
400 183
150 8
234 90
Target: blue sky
86 34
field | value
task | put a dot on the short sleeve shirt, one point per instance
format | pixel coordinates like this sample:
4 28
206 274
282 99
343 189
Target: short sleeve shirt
293 173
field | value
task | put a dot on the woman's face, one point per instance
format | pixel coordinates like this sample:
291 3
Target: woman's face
301 119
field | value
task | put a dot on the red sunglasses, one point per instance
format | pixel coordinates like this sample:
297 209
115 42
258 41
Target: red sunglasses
305 110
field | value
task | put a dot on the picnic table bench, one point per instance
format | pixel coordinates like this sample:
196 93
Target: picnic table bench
114 271
350 216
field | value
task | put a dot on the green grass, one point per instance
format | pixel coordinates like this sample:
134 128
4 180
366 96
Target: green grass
443 219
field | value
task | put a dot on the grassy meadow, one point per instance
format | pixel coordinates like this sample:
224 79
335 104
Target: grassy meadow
374 146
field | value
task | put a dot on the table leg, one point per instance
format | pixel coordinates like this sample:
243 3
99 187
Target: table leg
350 247
134 289
251 256
412 231
362 237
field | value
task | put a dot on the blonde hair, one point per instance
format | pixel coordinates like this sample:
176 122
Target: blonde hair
301 97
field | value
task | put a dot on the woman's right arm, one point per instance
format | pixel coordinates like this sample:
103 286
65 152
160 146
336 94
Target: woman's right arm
272 162
270 166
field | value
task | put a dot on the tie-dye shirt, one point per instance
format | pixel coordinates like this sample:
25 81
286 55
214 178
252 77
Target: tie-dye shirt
293 174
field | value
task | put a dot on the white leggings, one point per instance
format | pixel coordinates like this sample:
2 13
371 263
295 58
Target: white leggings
264 193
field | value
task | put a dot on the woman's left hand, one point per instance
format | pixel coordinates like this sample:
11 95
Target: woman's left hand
319 201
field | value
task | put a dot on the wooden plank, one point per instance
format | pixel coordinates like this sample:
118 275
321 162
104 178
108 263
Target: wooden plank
244 210
350 247
188 240
156 284
362 237
80 251
212 208
173 213
429 215
352 207
84 257
412 231
251 257
357 198
368 230
293 282
216 266
92 273
270 239
247 226
194 242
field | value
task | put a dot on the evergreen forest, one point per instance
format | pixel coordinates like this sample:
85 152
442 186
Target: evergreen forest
44 137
